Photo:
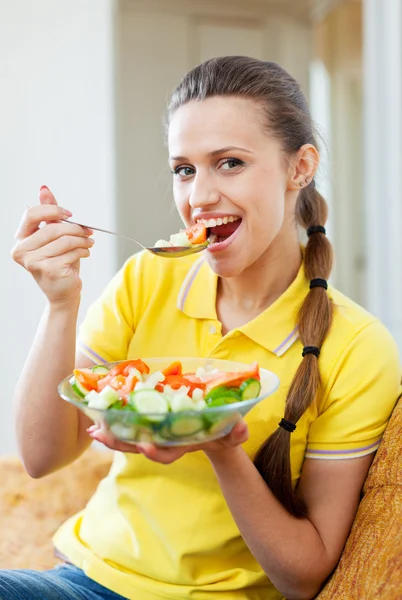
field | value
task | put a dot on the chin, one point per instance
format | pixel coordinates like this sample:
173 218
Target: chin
226 267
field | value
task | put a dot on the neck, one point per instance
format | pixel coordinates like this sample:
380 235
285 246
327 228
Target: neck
264 281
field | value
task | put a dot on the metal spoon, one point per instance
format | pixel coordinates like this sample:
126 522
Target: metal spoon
168 251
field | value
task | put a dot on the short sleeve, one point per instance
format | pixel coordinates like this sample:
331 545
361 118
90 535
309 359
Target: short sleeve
108 327
359 399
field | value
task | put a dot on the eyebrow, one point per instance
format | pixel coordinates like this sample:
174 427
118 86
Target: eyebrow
215 152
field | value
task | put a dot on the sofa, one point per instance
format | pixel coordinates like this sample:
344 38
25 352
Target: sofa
370 567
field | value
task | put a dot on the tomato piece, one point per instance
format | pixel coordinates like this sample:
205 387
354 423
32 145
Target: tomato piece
128 387
174 369
231 379
118 382
197 234
87 378
176 381
124 367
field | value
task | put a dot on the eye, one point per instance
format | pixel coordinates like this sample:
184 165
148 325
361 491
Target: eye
183 171
231 163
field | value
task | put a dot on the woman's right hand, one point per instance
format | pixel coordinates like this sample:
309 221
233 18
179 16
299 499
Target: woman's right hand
52 253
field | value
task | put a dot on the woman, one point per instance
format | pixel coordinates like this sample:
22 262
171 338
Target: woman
262 513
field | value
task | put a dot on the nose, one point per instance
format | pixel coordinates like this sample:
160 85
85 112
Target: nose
203 193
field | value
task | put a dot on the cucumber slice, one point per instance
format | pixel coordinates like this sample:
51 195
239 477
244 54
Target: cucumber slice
213 402
181 402
222 426
200 405
118 405
197 395
124 432
250 389
165 433
78 388
223 395
109 395
180 239
95 400
150 401
100 370
183 426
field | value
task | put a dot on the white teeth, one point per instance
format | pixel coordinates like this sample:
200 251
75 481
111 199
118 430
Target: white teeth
219 221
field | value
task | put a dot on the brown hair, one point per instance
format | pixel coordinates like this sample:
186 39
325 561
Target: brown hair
288 118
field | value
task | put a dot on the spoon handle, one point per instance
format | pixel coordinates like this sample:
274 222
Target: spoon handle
104 231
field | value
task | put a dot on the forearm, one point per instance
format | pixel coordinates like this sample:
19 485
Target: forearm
47 427
289 550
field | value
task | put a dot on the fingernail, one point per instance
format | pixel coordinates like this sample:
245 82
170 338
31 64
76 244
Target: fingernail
67 212
143 448
91 241
88 230
43 187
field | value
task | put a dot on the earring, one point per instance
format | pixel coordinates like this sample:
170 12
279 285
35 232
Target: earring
307 180
301 184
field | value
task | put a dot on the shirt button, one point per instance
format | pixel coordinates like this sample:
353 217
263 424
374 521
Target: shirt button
212 329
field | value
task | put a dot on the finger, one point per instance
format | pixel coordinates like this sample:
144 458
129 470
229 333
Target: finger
46 196
160 454
238 434
57 249
58 246
48 234
54 266
36 215
110 441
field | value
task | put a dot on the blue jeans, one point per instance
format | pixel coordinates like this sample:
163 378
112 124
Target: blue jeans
65 582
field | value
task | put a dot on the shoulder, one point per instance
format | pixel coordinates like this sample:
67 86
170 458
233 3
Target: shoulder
354 324
359 348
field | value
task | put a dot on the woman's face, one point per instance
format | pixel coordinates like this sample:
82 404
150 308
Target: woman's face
234 177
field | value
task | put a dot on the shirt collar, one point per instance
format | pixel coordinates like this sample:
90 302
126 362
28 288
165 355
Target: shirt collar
274 329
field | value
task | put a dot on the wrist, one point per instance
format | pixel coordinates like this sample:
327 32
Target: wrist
225 457
68 306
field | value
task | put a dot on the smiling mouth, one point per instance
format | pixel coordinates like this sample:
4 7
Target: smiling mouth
219 230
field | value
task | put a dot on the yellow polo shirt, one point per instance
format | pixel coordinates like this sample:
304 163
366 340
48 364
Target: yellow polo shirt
160 532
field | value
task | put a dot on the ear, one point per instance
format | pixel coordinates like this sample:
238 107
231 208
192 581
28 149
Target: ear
303 167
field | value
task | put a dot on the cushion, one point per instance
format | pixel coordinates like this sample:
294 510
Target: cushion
32 509
371 563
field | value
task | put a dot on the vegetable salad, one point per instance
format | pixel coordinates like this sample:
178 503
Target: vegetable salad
130 387
192 236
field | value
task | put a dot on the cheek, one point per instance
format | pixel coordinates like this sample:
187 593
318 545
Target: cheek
181 201
269 199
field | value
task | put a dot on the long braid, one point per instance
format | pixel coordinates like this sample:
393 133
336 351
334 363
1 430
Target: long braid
313 322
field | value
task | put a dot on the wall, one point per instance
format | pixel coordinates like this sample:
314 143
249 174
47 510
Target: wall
56 123
338 45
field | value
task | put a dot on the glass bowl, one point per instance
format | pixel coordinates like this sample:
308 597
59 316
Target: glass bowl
195 426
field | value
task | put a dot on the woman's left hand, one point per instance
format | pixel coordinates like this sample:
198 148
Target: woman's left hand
167 455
